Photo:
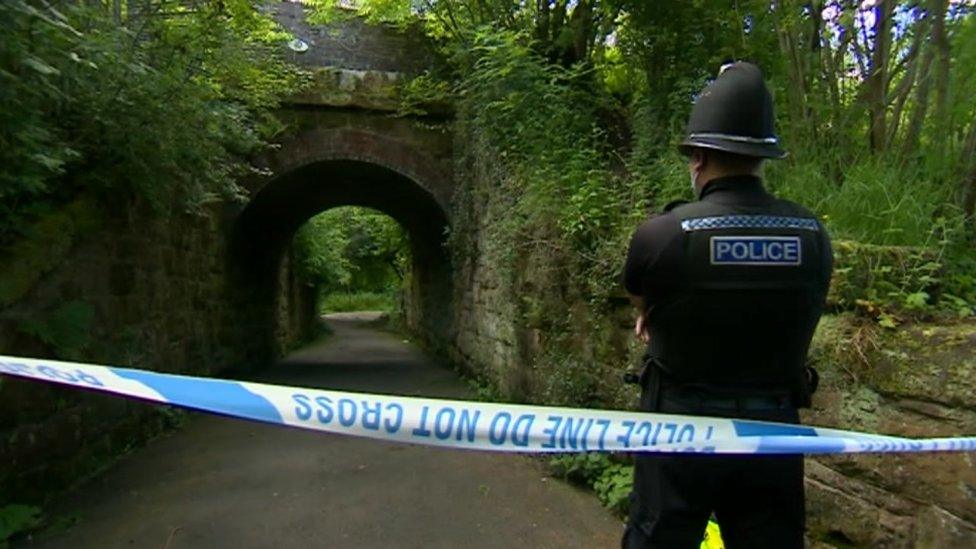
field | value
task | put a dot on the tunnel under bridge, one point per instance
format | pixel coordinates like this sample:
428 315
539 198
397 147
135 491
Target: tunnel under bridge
346 145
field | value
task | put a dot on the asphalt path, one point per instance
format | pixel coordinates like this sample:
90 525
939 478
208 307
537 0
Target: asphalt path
219 482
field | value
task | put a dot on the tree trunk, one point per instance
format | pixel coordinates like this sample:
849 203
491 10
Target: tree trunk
908 81
833 66
927 75
940 45
542 21
795 89
816 19
582 22
876 82
920 110
968 182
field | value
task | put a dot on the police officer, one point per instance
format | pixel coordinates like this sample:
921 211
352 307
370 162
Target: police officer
729 291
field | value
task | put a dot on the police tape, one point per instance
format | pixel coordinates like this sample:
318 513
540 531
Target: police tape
470 425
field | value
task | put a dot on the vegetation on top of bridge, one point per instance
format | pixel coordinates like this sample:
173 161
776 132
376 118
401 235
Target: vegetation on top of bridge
147 101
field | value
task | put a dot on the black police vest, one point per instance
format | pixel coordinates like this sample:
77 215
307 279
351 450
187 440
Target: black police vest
739 309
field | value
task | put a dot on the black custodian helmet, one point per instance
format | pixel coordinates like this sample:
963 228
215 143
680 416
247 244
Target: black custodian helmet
734 113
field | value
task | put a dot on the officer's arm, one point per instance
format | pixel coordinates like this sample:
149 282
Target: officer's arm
640 325
828 258
639 256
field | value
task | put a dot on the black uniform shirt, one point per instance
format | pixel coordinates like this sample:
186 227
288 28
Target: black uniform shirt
737 324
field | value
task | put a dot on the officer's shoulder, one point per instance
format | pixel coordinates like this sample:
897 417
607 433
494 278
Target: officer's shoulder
788 207
681 209
673 204
796 209
659 225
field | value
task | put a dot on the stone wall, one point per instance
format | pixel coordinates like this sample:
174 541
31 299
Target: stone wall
917 381
351 43
139 290
487 343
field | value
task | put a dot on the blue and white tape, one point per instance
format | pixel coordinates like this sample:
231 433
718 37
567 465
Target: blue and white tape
470 425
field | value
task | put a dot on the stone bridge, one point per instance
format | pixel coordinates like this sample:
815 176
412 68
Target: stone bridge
347 146
203 294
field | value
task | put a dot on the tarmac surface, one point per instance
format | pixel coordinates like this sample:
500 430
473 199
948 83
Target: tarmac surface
219 482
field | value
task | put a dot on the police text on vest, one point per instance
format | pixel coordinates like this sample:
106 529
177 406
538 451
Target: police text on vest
756 250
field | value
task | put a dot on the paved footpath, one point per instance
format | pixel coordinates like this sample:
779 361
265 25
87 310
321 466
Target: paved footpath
220 482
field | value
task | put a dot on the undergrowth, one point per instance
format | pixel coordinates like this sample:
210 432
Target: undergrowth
610 476
156 106
17 518
358 301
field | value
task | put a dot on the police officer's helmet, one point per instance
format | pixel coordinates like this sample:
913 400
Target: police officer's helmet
734 114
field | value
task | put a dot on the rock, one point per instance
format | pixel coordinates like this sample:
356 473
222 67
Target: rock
843 510
938 528
917 383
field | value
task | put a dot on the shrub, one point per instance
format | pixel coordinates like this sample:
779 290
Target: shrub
611 479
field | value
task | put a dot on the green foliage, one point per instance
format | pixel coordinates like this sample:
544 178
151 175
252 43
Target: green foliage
46 242
604 473
560 215
320 246
614 486
876 201
482 388
541 121
423 93
15 519
160 107
351 250
357 301
570 380
65 329
619 77
324 12
678 45
888 282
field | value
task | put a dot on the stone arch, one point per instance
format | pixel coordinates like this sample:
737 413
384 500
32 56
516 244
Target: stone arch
323 168
412 156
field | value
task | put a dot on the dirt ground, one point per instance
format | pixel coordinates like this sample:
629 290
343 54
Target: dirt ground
221 482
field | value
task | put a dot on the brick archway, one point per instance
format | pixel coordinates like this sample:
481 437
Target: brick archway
421 162
326 167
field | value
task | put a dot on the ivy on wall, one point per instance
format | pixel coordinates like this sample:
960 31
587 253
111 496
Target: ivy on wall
157 101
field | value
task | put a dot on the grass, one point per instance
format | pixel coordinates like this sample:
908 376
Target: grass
874 200
357 301
877 202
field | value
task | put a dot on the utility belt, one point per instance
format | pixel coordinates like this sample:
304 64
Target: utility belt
657 389
703 398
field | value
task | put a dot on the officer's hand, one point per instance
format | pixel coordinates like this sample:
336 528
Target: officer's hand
640 330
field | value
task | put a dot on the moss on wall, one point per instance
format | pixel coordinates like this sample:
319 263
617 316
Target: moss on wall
130 289
44 247
912 381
